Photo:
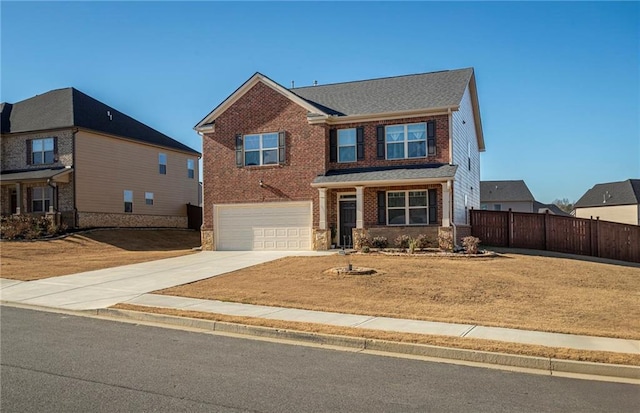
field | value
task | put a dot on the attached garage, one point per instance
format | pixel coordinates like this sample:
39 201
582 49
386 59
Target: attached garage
263 226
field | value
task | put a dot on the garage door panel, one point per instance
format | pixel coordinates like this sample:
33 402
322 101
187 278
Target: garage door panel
266 226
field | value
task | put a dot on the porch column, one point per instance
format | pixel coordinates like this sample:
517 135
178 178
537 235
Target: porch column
322 192
359 207
18 199
446 204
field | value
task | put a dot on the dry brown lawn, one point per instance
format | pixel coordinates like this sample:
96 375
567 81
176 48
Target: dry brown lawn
94 250
513 290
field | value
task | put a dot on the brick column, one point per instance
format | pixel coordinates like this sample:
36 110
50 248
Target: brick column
359 207
322 193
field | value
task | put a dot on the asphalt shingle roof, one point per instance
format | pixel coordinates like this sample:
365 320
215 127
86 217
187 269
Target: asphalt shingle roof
391 94
611 193
69 107
417 172
505 191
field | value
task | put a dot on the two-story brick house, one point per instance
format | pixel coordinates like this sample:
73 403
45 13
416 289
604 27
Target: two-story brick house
307 167
68 154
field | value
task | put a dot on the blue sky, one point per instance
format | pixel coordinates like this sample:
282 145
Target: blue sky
558 83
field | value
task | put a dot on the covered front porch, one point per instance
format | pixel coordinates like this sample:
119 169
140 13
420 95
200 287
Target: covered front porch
384 202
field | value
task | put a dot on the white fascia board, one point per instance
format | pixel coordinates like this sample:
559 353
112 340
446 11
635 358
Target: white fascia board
390 182
337 120
246 86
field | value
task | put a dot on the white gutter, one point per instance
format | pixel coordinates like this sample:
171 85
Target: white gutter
375 183
337 120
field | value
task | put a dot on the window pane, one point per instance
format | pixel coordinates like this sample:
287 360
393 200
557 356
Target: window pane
48 144
128 207
251 142
395 199
190 164
37 158
252 158
162 169
416 131
418 216
418 198
36 193
269 157
417 149
270 140
128 196
346 137
347 154
162 159
395 133
396 217
47 204
395 150
48 157
37 206
36 145
191 174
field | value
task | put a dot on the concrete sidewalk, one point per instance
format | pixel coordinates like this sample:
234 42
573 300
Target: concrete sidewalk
392 324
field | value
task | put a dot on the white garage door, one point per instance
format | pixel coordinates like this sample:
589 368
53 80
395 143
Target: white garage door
264 226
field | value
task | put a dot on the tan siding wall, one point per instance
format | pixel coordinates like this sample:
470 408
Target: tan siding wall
106 166
626 214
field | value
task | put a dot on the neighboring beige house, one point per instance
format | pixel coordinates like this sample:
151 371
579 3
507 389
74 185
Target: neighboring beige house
611 201
514 196
67 154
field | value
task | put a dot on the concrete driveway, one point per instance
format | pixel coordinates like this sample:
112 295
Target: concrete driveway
104 288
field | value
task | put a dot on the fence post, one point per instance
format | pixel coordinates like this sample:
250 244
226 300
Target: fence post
546 230
510 228
597 236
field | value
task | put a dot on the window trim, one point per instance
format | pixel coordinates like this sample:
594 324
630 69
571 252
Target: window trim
161 164
191 169
43 152
354 145
405 141
408 207
46 197
128 203
261 149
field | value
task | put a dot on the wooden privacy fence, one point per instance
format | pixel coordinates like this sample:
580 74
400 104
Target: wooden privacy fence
557 233
194 216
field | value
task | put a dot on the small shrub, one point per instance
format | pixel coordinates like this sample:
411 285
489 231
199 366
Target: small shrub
413 244
365 241
424 242
28 227
470 244
445 240
379 242
366 249
402 241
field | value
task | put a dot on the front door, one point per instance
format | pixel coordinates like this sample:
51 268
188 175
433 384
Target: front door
347 222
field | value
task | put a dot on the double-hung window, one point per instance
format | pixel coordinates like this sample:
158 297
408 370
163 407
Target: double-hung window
347 145
191 169
128 201
162 163
42 151
261 149
40 199
148 198
407 208
406 141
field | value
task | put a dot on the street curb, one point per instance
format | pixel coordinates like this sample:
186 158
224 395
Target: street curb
549 365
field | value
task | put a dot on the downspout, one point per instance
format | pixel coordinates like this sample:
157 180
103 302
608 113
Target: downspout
75 173
54 186
450 120
451 200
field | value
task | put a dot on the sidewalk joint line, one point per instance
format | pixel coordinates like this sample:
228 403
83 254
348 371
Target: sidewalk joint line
464 334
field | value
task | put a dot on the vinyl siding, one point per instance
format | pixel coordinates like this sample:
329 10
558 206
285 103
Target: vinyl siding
106 166
467 182
626 214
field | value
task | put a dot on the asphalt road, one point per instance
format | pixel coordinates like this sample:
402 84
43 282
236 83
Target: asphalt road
60 363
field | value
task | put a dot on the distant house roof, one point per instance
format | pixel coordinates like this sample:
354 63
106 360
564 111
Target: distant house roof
552 208
505 191
390 94
375 175
611 193
69 107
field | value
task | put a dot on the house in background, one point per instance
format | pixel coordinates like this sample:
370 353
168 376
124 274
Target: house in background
68 154
307 167
513 195
611 201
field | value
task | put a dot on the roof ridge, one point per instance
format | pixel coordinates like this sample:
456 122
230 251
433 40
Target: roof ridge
380 78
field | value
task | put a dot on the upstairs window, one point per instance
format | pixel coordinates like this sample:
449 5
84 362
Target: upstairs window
260 149
128 201
191 170
41 151
406 141
40 199
162 163
346 145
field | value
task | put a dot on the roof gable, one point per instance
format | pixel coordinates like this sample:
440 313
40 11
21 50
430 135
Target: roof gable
505 191
207 121
611 193
69 107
